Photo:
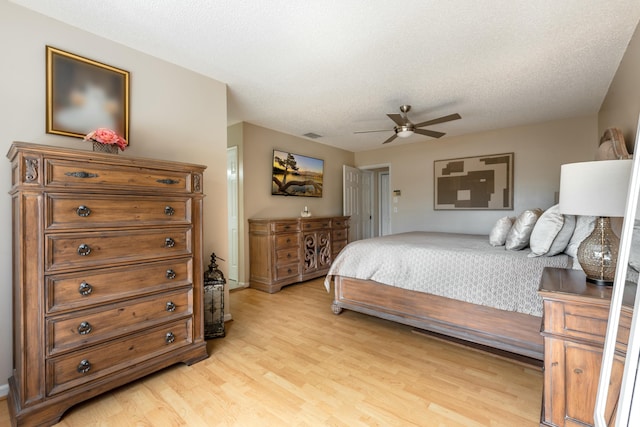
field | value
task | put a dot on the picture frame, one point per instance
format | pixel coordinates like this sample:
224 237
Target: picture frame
84 94
296 175
474 183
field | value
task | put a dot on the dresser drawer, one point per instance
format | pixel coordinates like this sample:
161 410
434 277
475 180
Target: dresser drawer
89 288
337 246
285 226
286 271
288 255
576 320
92 363
70 174
89 210
82 250
317 224
286 241
77 329
339 223
340 234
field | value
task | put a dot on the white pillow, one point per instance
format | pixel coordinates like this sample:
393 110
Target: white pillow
564 236
498 235
584 227
518 236
552 232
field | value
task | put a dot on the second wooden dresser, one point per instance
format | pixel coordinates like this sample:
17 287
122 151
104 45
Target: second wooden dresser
107 274
292 250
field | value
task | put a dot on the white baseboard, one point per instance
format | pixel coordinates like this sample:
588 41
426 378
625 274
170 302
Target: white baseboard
227 317
4 390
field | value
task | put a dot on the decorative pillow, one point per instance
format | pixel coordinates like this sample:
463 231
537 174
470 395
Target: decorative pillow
584 227
561 241
518 236
552 232
498 235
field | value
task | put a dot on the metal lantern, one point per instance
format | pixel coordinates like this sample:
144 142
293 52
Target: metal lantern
213 300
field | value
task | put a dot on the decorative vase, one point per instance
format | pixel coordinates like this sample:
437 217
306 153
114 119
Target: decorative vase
105 148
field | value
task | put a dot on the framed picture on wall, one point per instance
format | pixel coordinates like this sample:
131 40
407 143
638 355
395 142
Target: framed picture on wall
481 182
83 95
296 175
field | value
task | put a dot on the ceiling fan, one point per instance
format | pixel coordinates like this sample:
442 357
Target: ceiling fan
404 128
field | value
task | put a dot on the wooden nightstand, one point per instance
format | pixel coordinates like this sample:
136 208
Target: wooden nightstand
574 328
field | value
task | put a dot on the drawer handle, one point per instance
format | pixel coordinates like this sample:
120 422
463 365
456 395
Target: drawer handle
168 210
85 289
286 227
84 328
171 274
577 371
288 240
83 211
170 306
168 181
84 366
289 271
169 242
288 255
169 338
84 250
81 174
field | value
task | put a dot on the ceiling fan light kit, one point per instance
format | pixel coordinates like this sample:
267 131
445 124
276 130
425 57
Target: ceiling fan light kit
405 128
404 131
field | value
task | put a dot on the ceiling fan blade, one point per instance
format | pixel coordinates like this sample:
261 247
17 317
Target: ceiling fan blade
443 119
369 131
398 119
427 132
394 136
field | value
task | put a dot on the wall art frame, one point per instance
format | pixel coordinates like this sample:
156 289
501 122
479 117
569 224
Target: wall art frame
84 94
474 183
296 175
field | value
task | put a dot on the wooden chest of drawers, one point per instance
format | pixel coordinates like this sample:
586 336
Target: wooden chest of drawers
575 321
107 274
292 250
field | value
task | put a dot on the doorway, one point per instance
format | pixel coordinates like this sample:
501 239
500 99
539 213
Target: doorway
233 220
366 199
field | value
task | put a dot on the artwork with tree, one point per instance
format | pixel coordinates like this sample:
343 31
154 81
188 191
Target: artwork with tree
296 175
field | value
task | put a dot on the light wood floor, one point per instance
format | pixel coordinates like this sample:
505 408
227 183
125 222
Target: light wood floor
287 360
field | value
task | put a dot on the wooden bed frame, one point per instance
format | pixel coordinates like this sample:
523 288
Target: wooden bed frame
506 331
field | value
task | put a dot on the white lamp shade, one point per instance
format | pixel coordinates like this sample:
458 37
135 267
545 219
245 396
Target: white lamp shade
595 188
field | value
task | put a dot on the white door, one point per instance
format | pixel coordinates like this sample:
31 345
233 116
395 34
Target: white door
383 196
357 201
351 188
366 177
232 204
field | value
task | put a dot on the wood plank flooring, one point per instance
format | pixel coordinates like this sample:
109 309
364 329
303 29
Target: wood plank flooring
287 360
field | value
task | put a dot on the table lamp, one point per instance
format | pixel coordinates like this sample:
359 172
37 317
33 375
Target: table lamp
596 189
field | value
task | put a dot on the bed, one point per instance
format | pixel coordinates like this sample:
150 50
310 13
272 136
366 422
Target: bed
456 285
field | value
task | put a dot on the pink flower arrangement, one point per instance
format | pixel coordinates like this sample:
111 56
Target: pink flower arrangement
107 136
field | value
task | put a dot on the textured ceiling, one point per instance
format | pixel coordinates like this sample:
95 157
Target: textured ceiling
335 67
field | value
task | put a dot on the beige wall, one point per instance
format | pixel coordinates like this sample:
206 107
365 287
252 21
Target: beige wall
259 144
539 150
621 106
175 114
